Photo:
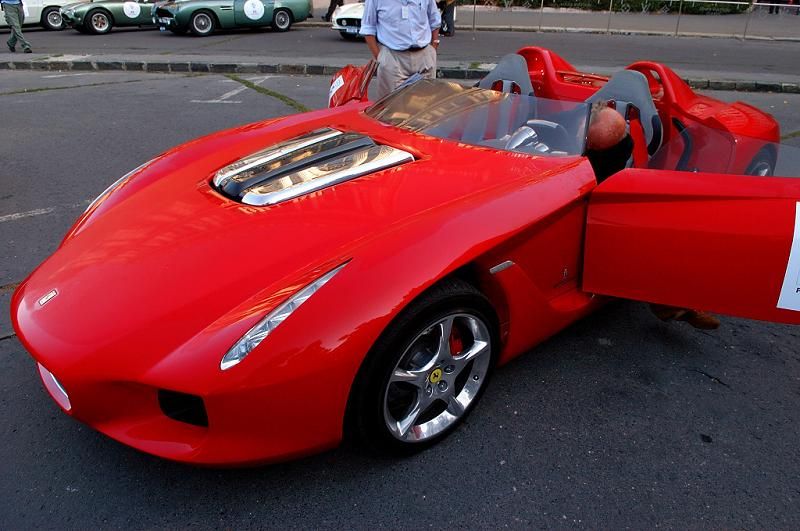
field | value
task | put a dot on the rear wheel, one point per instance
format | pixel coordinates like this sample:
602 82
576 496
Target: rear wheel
281 20
427 371
98 22
202 23
51 19
763 164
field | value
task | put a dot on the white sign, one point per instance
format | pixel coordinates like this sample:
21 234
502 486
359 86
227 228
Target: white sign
336 85
131 9
790 292
253 9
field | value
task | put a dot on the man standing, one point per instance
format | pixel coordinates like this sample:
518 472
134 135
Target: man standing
403 36
15 15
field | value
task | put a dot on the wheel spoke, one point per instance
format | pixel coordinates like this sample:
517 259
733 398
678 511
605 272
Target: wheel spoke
407 423
415 378
478 348
455 407
445 328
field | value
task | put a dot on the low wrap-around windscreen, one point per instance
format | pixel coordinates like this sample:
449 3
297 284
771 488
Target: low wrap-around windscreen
509 122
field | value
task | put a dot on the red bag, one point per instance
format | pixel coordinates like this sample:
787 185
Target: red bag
351 84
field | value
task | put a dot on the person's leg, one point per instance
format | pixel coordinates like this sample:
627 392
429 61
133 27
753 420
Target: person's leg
447 15
389 73
13 17
425 63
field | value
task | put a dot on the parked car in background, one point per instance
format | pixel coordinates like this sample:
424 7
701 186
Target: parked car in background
347 20
43 13
99 17
203 17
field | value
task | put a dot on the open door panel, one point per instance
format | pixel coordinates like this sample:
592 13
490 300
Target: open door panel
723 243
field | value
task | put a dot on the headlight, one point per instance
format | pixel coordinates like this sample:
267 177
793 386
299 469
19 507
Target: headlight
262 329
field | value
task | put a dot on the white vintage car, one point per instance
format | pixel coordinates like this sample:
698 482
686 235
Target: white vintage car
347 20
41 13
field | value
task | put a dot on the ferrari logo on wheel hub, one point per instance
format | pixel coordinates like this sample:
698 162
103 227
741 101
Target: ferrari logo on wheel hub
435 376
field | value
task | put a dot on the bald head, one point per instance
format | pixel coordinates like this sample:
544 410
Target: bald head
606 129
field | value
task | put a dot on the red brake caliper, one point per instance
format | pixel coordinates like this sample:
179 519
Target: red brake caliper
456 342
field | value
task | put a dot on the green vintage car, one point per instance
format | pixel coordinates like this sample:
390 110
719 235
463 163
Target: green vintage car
202 17
99 16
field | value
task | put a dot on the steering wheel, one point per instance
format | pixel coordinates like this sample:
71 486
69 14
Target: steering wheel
543 136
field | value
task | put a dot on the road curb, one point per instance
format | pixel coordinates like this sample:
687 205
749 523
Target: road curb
206 67
602 31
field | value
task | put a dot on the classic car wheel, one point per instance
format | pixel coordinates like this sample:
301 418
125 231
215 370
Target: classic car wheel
282 20
202 23
427 370
763 164
51 19
98 22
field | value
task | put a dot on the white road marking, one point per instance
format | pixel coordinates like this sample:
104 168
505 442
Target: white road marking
28 214
41 211
53 76
225 97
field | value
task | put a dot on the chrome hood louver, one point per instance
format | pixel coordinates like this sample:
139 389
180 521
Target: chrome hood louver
303 165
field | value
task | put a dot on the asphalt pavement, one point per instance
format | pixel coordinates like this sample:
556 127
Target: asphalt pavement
707 63
619 421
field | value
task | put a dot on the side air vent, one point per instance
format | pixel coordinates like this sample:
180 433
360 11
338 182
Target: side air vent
303 165
182 407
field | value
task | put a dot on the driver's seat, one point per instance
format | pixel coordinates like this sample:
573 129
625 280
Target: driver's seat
630 92
510 75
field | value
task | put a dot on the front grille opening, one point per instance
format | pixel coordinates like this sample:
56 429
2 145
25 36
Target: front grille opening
183 407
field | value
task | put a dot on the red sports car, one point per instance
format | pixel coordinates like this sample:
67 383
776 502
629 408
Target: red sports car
261 292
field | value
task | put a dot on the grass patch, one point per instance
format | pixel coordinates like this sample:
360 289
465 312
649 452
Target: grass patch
294 104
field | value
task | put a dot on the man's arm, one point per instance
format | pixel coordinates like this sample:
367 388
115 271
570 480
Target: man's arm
369 27
435 21
372 44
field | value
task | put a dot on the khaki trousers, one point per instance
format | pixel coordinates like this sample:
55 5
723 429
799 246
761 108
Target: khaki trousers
394 68
14 17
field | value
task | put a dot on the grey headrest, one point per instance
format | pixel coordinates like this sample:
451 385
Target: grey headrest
512 69
630 87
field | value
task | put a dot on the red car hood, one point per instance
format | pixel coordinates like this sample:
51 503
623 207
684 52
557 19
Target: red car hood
166 256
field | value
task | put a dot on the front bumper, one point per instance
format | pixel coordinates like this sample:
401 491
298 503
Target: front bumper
347 25
71 20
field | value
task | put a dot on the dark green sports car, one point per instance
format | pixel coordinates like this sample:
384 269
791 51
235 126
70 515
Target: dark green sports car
202 17
100 16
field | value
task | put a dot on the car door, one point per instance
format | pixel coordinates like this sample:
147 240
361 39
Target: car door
724 243
253 12
135 13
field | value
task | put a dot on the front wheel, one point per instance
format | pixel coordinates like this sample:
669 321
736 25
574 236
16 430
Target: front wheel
763 164
98 22
202 23
282 20
51 19
427 371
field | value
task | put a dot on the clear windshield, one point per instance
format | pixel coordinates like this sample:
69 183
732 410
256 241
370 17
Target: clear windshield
499 120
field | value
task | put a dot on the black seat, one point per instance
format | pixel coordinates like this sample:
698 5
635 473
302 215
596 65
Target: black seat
510 75
627 89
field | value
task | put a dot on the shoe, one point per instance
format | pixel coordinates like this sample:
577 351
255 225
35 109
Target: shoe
11 49
700 320
27 50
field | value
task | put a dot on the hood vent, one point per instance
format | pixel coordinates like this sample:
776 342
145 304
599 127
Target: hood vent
303 165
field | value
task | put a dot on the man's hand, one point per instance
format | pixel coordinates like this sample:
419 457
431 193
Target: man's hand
372 44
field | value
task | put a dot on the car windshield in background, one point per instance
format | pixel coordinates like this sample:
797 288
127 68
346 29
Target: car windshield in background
510 122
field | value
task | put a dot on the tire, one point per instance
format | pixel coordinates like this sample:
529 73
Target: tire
52 20
763 164
281 20
202 23
411 391
98 22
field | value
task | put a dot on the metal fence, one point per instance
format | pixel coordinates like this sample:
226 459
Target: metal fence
735 18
